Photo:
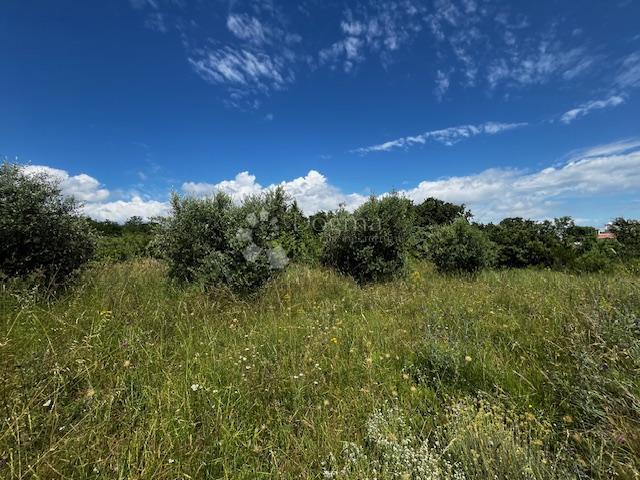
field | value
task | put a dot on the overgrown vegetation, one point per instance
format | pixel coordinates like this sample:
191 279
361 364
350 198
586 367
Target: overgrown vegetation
130 240
460 247
372 243
217 243
507 374
42 237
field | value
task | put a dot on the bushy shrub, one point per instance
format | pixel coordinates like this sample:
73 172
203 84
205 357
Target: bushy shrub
220 244
601 257
460 247
372 243
41 233
119 242
123 247
628 234
522 242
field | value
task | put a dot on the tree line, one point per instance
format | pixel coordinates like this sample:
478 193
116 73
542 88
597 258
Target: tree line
218 243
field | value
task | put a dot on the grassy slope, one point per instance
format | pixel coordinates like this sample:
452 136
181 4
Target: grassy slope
286 378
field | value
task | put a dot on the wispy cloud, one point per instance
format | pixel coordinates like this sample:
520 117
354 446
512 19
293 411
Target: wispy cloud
247 28
242 68
588 107
629 74
447 136
378 30
442 84
472 43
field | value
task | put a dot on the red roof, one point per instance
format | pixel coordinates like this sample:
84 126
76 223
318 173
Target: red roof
606 236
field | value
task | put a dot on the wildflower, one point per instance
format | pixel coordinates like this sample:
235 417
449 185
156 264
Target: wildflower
468 359
195 387
334 340
171 460
567 419
405 376
325 402
126 364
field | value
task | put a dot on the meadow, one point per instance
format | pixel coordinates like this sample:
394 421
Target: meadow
527 373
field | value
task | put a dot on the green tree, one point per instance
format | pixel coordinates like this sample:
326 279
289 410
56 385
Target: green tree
627 232
41 232
372 243
460 248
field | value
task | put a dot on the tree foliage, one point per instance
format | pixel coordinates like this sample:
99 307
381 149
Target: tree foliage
460 248
220 244
41 232
627 233
372 243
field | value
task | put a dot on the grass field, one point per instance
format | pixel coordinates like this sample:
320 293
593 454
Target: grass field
513 374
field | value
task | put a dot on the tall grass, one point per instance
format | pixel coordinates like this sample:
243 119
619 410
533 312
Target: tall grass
526 374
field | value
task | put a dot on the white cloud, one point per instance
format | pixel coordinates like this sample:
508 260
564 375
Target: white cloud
442 84
447 136
380 30
312 192
588 107
121 210
629 74
497 193
83 187
244 184
241 68
87 190
247 28
492 194
540 65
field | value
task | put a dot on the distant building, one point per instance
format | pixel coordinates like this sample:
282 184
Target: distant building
606 236
606 233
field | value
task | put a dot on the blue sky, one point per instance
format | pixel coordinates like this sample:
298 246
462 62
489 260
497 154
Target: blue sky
513 107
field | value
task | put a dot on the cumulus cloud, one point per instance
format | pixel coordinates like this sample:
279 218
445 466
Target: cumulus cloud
83 187
491 194
497 193
312 191
121 210
94 198
588 107
447 136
